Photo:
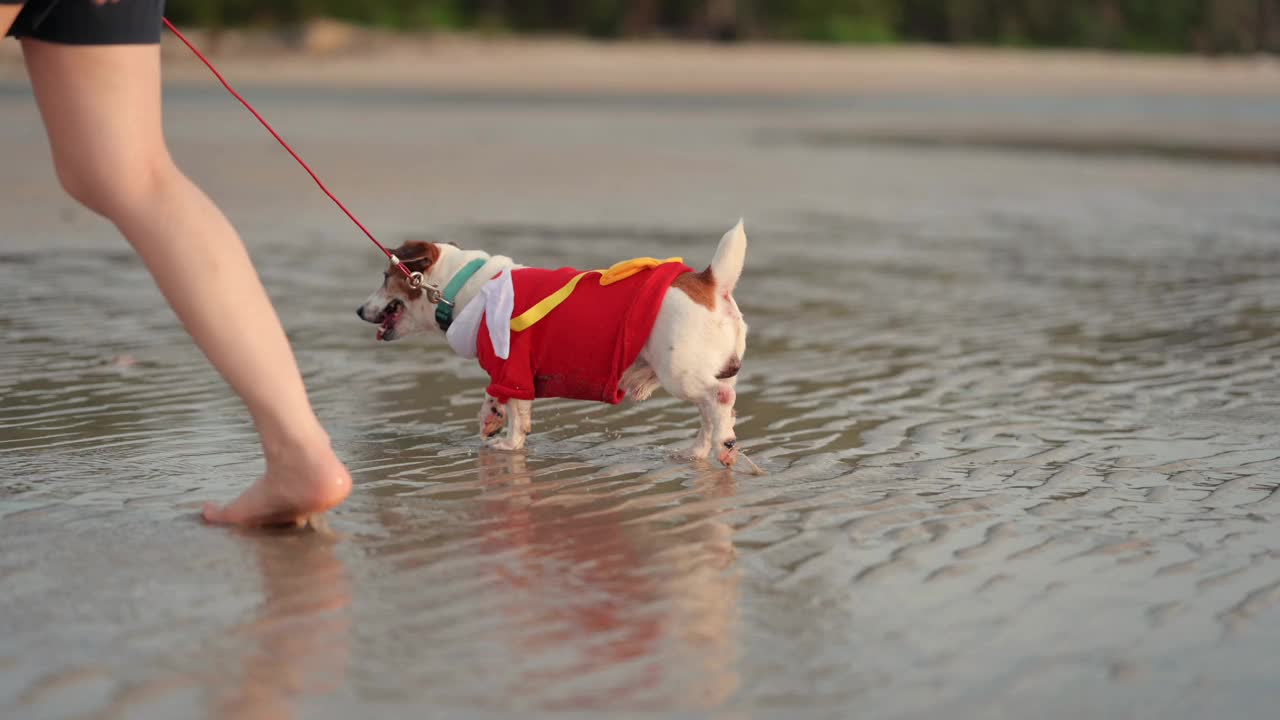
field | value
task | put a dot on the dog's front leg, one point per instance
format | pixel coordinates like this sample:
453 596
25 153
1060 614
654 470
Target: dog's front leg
524 409
519 416
493 416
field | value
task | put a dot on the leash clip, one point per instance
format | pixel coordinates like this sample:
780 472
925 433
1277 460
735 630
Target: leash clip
435 295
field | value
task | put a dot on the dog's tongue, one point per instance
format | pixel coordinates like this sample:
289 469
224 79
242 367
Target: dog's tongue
389 322
386 327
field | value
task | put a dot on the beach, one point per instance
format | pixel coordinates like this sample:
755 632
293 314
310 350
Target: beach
1010 379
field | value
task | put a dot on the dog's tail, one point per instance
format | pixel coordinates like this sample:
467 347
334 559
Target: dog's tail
731 255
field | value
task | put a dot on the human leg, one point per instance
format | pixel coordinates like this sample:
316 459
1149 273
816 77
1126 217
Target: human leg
101 107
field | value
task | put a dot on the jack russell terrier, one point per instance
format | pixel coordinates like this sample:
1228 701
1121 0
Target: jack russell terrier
599 335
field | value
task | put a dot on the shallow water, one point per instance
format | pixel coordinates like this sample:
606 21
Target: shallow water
1017 413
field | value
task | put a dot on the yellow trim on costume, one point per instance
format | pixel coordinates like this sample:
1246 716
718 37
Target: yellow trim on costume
619 272
545 305
627 268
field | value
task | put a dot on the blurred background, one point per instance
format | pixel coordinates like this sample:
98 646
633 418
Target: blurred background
1203 26
1011 373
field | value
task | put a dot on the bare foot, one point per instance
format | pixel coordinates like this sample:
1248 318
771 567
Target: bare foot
298 484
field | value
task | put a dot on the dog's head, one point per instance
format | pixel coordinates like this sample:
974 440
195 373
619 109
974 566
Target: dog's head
398 309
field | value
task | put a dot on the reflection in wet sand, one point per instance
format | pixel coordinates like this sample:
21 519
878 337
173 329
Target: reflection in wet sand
626 592
296 644
1017 412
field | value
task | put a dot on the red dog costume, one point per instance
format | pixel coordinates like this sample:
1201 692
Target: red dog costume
574 333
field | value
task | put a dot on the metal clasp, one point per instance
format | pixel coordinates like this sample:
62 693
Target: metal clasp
435 295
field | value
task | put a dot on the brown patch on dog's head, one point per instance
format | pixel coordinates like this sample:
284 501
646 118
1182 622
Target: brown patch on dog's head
417 256
398 308
700 287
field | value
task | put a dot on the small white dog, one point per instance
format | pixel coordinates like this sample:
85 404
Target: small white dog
595 335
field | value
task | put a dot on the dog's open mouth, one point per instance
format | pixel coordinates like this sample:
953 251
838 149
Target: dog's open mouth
391 314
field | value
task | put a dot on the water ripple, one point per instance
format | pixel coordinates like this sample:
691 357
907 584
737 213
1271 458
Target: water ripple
1018 424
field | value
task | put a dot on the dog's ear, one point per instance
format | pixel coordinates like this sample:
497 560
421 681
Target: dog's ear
417 255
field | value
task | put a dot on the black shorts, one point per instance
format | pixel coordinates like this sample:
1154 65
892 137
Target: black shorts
83 22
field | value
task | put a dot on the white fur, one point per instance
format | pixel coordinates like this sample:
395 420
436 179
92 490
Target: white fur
689 346
731 255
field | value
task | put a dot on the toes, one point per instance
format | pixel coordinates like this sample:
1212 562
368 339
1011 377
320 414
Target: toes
293 490
215 514
228 515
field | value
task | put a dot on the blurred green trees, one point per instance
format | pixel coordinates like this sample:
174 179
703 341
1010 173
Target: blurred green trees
1209 26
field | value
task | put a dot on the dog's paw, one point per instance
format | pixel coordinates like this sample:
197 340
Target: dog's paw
493 417
728 454
504 444
696 451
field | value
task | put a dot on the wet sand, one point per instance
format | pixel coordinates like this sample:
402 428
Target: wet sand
1015 403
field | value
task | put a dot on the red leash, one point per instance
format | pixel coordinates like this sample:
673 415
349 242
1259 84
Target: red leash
285 145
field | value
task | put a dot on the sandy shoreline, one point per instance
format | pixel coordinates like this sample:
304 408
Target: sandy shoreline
565 65
1018 409
348 57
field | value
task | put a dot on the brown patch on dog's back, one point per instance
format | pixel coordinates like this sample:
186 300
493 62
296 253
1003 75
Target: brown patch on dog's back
700 287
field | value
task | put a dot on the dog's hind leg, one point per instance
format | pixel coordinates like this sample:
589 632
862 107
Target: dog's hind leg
723 438
716 432
696 352
701 446
639 381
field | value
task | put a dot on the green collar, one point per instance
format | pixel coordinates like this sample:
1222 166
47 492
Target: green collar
444 309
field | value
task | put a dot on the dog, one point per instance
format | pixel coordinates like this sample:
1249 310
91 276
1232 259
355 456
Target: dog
594 335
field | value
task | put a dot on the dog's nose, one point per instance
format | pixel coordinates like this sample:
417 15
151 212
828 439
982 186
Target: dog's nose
360 312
